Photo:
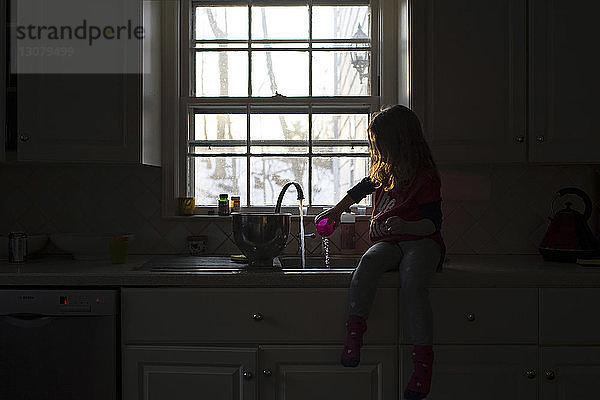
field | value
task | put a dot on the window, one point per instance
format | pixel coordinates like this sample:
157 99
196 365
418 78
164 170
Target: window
278 91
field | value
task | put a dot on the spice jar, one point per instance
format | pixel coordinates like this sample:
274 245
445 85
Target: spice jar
235 203
224 204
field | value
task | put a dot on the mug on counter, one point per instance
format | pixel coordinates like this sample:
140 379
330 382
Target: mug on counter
197 244
186 205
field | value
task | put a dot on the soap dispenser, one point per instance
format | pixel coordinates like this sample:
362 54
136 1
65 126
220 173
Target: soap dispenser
347 230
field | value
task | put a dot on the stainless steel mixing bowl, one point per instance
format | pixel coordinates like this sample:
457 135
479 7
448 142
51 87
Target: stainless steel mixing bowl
261 236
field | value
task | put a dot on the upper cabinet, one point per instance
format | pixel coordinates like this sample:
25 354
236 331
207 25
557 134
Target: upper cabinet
495 83
78 117
468 78
110 116
564 81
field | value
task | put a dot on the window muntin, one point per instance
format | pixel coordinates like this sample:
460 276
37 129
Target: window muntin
273 101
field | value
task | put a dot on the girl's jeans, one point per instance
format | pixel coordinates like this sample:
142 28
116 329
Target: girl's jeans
417 261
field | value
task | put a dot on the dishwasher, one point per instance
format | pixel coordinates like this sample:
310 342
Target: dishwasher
58 344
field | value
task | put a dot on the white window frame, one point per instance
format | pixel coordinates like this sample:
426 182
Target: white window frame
386 71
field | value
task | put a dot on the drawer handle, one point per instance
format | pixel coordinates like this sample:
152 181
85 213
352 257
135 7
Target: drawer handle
247 375
530 374
550 375
257 317
267 372
470 317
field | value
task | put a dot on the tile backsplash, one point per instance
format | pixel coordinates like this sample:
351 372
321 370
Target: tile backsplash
489 209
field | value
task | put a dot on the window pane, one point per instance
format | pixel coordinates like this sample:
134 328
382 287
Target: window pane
340 126
284 72
336 175
280 22
331 22
222 73
336 73
279 126
220 127
221 23
268 175
215 175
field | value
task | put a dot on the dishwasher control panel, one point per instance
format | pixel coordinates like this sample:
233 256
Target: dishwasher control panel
58 302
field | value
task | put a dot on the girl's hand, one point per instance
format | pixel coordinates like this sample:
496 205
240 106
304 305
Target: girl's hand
396 226
333 215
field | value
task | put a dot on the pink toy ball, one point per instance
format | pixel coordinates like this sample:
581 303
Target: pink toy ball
324 228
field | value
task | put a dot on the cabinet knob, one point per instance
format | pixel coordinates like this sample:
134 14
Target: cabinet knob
530 374
247 375
519 139
24 138
550 375
540 139
470 317
257 316
267 372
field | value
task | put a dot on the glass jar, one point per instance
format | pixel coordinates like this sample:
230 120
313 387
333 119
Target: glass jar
224 204
235 203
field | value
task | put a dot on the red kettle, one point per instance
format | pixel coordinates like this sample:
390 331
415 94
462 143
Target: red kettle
568 236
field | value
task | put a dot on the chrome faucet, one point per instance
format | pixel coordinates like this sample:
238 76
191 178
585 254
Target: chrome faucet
285 187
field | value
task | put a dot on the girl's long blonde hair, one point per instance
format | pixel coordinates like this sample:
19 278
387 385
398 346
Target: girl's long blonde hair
398 148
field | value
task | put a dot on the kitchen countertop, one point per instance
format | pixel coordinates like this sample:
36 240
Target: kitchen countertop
459 271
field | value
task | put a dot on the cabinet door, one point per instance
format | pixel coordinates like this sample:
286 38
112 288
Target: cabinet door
570 373
73 112
188 373
78 118
478 372
564 81
315 372
468 78
567 316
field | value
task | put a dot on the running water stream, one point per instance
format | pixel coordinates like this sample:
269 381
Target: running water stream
326 251
302 235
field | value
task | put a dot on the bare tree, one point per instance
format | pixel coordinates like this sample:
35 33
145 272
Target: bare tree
223 121
297 166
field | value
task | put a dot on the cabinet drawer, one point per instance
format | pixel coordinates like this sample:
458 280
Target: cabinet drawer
569 316
477 316
285 315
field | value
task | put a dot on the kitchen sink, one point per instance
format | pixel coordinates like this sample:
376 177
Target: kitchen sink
286 264
318 263
190 264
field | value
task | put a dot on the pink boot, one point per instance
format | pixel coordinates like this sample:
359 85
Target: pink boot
355 327
420 380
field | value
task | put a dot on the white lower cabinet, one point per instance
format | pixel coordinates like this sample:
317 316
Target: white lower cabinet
189 373
283 372
315 373
485 344
285 344
253 343
570 373
475 372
